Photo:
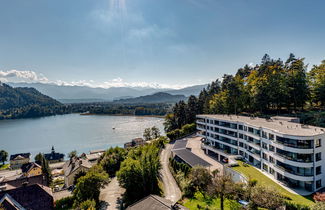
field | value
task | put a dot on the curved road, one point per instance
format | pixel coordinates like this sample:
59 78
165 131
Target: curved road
171 189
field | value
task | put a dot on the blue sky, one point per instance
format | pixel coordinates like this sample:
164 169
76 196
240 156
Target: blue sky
172 43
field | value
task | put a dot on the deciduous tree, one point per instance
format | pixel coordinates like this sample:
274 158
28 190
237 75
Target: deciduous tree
3 156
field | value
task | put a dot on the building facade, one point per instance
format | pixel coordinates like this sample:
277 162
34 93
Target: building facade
17 160
289 152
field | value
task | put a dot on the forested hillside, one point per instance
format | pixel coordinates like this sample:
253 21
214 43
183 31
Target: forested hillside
26 102
271 87
19 97
154 98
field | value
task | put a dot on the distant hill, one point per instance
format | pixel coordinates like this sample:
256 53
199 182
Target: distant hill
87 94
160 97
192 90
20 97
76 94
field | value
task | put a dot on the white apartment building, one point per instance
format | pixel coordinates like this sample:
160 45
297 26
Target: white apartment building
288 151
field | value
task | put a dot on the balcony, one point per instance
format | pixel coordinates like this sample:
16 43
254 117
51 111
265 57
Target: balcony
294 170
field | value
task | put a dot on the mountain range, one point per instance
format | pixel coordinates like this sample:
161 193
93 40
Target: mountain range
159 97
77 94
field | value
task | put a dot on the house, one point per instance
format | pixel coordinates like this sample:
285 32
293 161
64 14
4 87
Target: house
134 143
287 151
97 151
92 157
54 157
27 197
155 202
31 169
73 167
16 181
17 160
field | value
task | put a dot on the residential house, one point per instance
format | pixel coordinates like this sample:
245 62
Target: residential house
54 157
92 157
16 181
31 169
27 197
155 202
134 143
73 167
17 160
97 151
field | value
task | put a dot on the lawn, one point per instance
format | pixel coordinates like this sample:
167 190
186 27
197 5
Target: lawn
250 172
199 202
4 167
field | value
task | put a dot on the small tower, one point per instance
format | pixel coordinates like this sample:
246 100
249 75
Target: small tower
53 151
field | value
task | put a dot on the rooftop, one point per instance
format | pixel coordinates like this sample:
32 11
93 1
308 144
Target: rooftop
155 202
29 197
28 166
190 158
74 163
279 124
180 144
20 156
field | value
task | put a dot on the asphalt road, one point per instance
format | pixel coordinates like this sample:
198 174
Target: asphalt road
171 189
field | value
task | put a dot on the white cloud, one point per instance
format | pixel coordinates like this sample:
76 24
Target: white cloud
31 77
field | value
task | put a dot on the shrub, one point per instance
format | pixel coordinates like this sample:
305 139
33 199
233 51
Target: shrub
319 196
295 206
64 203
185 130
88 205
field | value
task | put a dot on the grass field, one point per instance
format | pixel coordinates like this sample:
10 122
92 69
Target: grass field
199 202
4 167
250 172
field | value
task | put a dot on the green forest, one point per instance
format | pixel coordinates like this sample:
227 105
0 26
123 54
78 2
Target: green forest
18 103
272 87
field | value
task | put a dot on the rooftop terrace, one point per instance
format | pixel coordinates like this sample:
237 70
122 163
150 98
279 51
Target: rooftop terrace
279 124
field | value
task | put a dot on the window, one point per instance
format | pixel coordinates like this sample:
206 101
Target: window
241 144
318 156
271 148
264 134
264 145
265 167
271 136
271 159
272 171
318 170
318 143
264 156
245 128
318 183
240 127
241 136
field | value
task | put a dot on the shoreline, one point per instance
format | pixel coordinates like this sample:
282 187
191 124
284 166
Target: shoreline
127 115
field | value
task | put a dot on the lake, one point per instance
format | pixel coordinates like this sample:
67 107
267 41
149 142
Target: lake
72 132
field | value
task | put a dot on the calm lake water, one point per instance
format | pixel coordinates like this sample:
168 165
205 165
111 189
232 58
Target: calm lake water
72 132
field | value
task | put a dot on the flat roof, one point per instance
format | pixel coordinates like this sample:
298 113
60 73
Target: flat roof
280 125
180 144
190 158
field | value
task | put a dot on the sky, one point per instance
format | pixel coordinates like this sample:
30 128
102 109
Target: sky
156 43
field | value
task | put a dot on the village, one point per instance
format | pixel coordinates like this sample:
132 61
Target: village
27 180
